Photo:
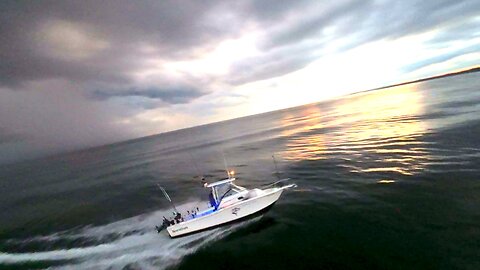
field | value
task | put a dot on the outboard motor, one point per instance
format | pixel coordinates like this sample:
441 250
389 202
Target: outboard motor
164 225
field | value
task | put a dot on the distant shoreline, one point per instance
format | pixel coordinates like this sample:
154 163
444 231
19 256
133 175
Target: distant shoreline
470 70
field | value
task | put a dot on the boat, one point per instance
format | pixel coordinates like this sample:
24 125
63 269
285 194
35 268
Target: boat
228 202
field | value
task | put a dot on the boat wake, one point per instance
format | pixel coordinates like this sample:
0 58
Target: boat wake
128 243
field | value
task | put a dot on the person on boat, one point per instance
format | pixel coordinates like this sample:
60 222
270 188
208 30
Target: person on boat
166 222
178 218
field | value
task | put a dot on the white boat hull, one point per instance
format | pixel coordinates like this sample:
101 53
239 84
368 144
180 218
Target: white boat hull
228 213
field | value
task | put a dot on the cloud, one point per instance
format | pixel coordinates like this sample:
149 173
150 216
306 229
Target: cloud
7 136
301 38
53 116
466 30
106 41
441 58
174 95
78 73
311 23
109 41
269 65
74 74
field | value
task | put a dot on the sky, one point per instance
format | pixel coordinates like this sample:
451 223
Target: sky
75 74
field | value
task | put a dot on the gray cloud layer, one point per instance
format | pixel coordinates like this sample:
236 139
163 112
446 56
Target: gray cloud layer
167 26
293 33
290 46
91 52
169 95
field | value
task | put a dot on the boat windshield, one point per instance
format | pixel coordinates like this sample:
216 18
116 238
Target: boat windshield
225 190
221 190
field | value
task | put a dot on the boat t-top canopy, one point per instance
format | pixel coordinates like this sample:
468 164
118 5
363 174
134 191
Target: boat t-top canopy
221 182
220 189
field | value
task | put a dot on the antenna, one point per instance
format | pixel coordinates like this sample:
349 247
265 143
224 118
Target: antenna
196 168
276 168
225 163
194 163
168 197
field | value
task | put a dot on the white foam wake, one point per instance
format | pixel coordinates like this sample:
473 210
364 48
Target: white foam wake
135 243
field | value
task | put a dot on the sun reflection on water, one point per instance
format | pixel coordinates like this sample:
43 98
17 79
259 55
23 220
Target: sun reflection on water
301 146
373 132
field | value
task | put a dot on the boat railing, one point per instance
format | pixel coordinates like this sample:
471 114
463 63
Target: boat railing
275 183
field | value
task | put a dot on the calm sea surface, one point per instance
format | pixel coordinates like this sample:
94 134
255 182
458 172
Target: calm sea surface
388 179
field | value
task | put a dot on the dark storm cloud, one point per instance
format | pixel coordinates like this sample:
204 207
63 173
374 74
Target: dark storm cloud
311 26
180 29
173 95
55 54
7 136
171 28
270 11
53 116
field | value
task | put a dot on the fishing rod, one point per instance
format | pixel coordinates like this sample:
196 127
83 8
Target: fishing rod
168 197
195 164
226 166
277 173
276 182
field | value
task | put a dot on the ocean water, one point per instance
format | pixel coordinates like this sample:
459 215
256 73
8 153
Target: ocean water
387 179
